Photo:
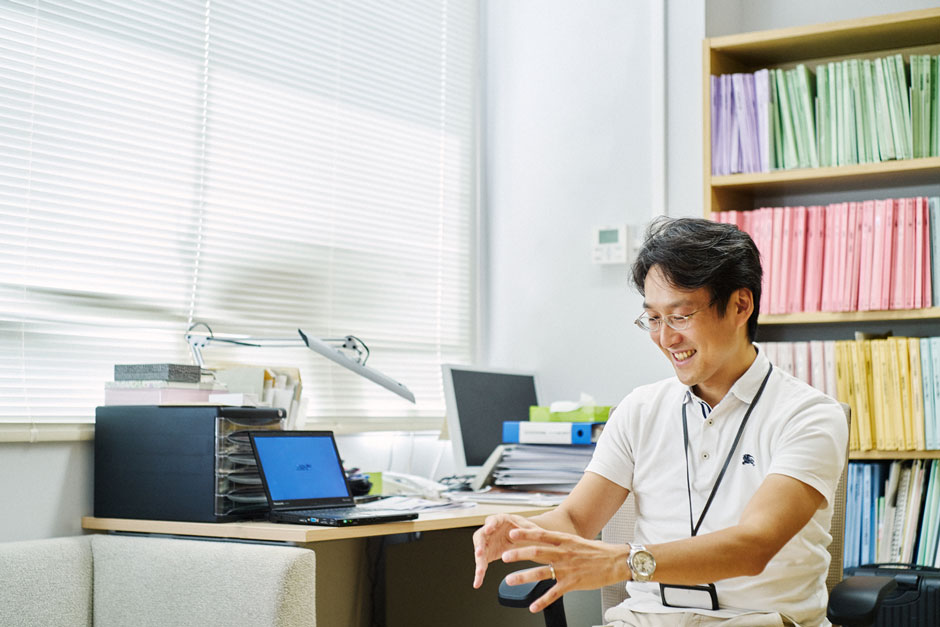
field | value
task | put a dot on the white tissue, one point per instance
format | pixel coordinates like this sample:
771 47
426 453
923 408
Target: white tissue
586 400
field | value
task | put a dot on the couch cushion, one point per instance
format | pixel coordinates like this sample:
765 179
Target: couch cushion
46 582
160 581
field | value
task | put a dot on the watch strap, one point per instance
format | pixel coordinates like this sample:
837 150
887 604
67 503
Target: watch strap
636 575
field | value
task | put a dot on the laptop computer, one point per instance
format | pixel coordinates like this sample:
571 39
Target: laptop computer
304 481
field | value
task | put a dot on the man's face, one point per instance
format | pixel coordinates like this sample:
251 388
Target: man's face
705 354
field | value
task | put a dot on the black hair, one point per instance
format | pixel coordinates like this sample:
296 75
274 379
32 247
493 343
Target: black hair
693 253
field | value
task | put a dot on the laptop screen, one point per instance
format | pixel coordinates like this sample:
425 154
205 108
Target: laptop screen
298 467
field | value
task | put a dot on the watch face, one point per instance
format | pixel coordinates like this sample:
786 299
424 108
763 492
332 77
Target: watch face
643 562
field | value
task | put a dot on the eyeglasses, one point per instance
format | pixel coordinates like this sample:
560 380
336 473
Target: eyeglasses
653 324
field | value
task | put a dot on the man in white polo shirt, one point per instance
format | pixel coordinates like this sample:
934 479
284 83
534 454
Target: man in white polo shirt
733 463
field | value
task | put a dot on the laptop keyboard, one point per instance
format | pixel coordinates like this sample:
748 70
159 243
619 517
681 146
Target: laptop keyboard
329 511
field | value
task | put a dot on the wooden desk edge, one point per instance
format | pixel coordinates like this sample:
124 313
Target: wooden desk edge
304 534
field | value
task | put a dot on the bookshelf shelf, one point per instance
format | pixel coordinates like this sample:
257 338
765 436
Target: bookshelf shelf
866 175
824 317
859 37
875 456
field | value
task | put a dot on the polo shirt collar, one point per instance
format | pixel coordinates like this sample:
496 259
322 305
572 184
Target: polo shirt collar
745 388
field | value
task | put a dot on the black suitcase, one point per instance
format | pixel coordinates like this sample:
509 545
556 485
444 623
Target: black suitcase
916 601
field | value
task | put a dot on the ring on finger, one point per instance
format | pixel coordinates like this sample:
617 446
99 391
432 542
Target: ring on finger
552 570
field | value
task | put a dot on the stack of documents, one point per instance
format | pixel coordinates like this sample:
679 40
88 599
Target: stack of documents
505 497
891 513
853 111
542 467
870 255
891 384
411 504
158 384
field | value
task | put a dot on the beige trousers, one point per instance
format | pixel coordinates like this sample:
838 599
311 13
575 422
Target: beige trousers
690 619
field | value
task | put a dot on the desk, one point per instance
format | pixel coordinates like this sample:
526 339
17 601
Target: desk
431 577
308 534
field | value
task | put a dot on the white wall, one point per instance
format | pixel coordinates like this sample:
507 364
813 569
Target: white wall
685 29
726 17
45 490
567 145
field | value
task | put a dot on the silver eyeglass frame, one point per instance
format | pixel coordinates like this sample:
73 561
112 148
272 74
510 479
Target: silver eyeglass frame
675 322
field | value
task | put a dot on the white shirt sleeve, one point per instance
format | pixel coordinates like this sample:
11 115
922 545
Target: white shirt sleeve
812 449
613 456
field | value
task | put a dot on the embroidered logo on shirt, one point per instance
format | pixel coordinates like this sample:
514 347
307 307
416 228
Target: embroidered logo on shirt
748 459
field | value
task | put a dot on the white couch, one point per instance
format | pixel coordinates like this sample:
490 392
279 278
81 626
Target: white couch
116 581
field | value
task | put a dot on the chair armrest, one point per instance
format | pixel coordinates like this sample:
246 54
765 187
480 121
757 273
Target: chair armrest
524 594
854 602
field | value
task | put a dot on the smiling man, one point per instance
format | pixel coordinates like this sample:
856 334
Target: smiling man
733 463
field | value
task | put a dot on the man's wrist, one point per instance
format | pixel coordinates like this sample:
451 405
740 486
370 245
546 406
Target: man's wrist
641 563
621 565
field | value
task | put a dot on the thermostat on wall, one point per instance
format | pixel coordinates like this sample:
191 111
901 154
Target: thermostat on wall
610 245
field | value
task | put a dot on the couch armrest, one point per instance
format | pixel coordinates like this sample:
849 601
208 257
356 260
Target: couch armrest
854 602
46 582
161 581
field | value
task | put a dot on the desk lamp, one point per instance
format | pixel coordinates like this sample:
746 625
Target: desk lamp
199 340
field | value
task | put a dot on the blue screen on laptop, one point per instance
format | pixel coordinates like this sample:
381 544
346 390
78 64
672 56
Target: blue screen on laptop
301 467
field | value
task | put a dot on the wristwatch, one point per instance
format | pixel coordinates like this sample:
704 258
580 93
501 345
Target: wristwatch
641 562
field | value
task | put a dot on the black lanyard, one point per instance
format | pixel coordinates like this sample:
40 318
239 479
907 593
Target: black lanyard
721 475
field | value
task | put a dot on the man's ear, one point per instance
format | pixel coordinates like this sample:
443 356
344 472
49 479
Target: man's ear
742 303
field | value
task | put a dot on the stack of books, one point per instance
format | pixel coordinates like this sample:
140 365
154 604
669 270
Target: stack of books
741 123
852 111
892 513
542 467
848 256
158 384
547 456
891 384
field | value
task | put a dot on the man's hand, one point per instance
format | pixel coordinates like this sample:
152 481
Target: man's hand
492 539
582 514
578 564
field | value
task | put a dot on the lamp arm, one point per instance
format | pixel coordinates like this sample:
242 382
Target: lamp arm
338 356
199 340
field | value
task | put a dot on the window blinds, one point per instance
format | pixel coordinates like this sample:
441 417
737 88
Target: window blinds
260 167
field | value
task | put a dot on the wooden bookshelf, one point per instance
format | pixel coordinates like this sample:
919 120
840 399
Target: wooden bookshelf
744 187
912 32
888 456
825 317
863 37
906 33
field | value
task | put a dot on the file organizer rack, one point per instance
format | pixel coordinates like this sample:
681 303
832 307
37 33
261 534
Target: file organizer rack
185 463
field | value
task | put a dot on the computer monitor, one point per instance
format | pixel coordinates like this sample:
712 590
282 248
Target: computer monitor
478 401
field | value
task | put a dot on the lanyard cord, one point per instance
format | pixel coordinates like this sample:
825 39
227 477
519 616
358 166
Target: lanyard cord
721 475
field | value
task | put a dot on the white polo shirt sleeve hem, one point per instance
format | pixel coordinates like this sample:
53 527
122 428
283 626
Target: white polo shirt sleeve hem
815 441
613 455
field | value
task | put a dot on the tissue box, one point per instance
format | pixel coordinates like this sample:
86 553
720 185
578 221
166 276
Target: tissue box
593 413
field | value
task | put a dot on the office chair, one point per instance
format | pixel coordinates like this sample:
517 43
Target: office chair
853 602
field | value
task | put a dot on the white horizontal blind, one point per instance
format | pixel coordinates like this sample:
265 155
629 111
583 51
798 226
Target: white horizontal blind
260 167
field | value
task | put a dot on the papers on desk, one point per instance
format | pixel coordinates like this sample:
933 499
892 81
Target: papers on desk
554 468
506 497
411 504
